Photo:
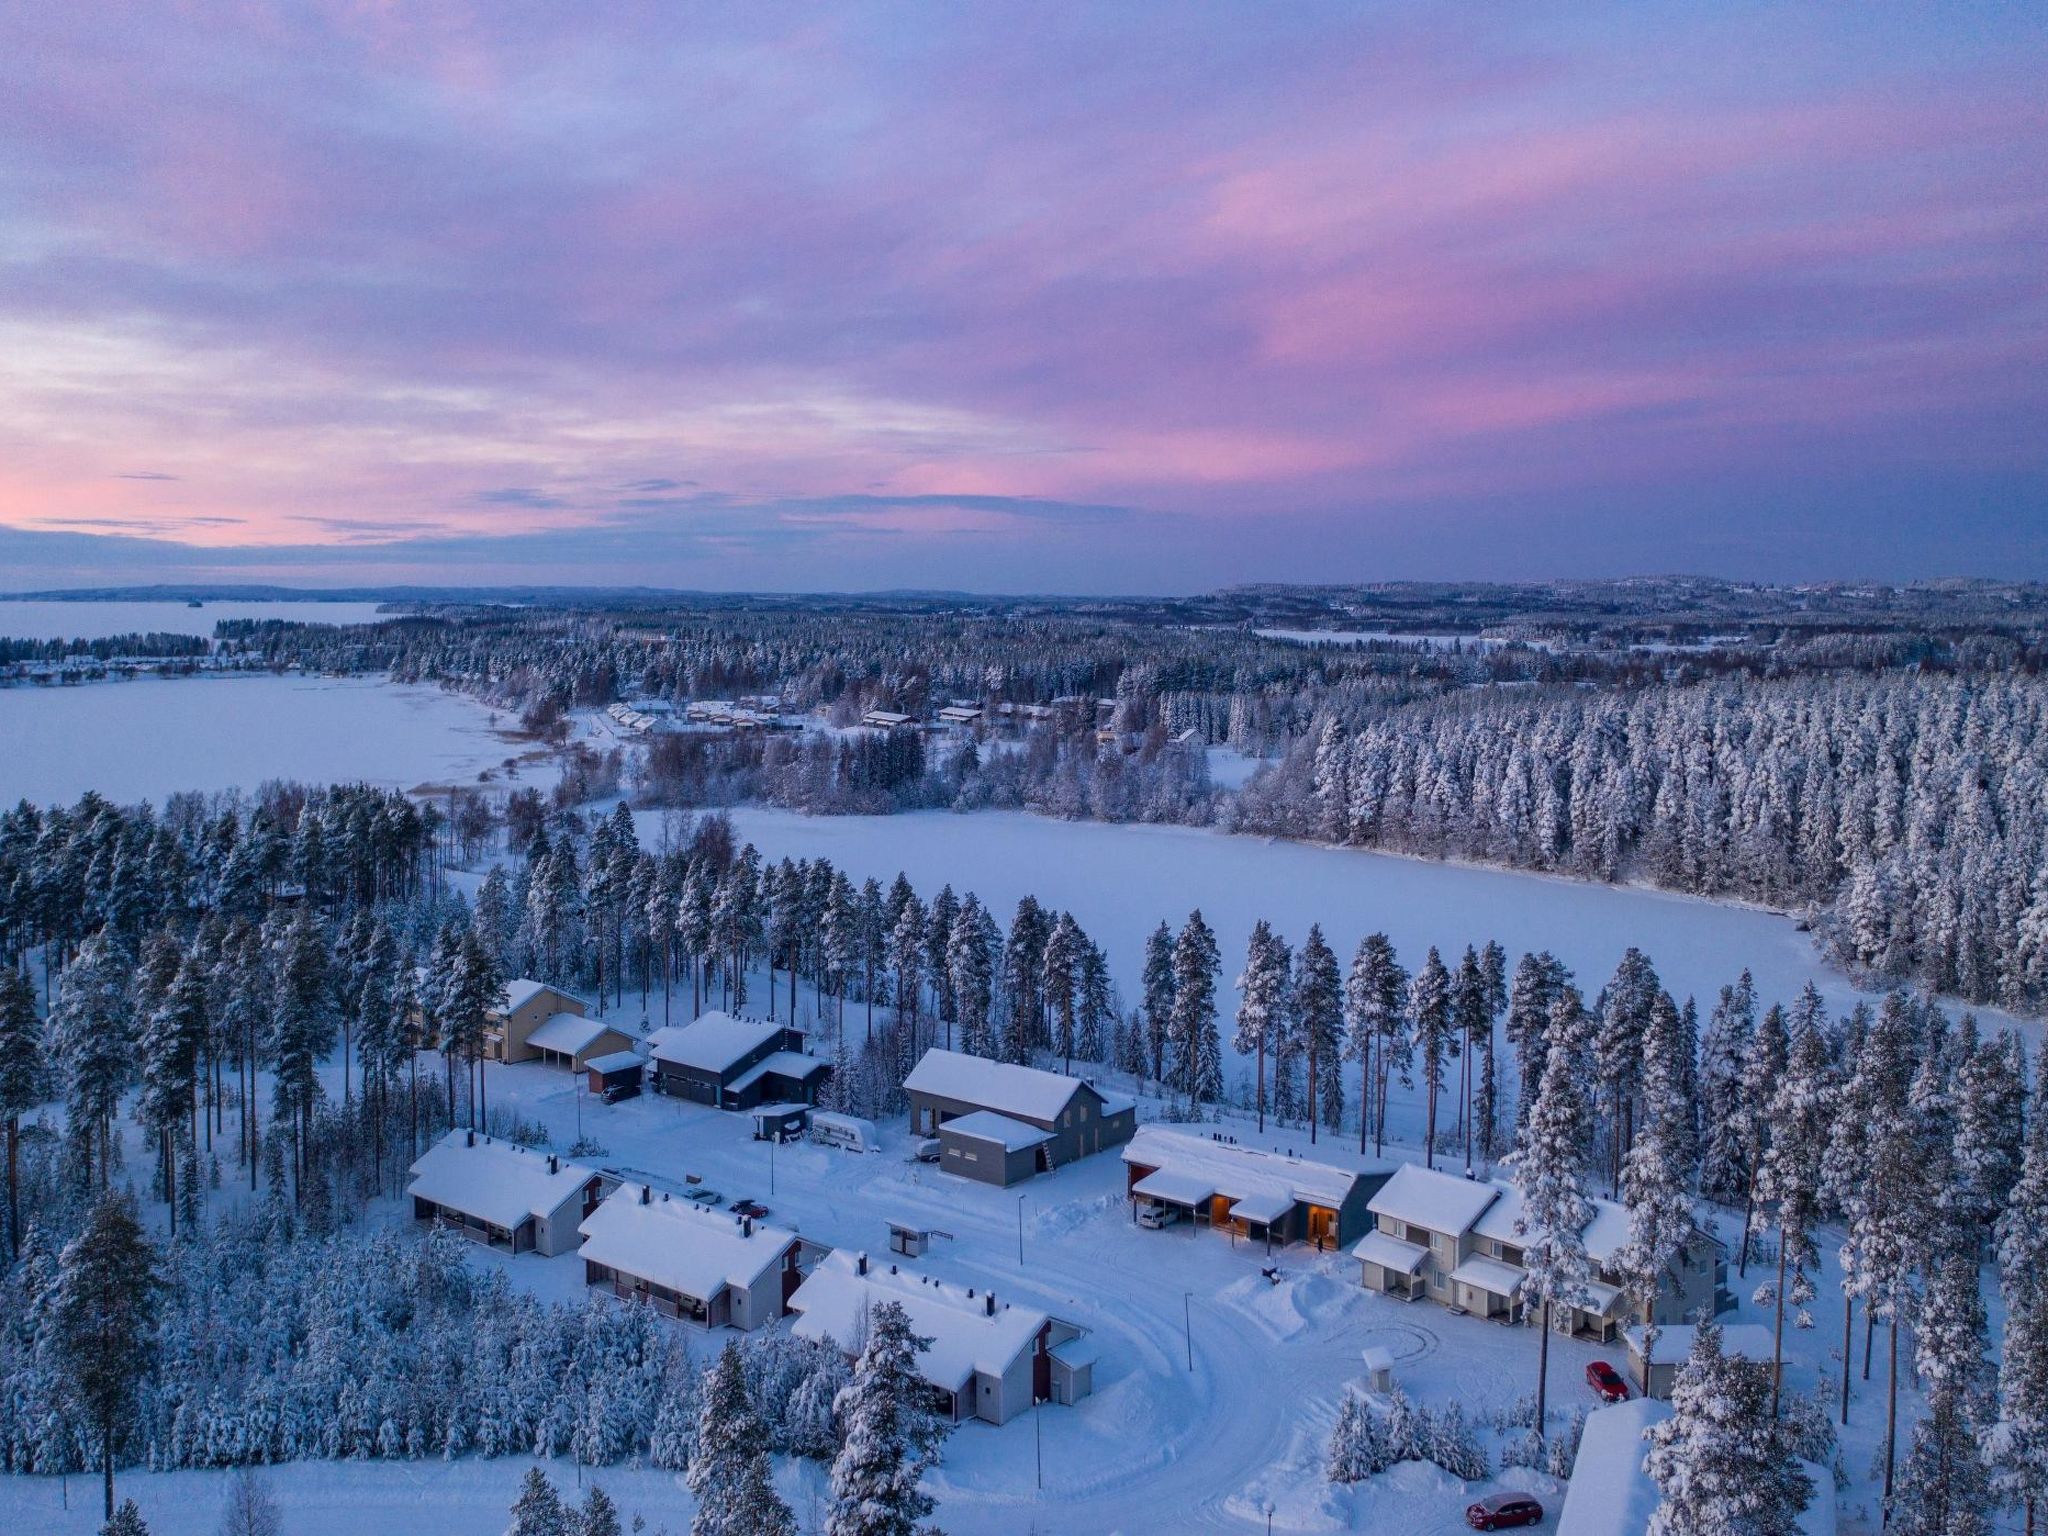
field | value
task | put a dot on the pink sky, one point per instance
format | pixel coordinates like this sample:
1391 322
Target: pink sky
1002 296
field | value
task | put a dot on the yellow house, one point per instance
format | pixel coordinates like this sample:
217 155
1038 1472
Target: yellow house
537 1022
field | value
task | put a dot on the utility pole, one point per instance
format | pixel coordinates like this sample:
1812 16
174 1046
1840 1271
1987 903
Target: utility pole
1187 1317
1020 1231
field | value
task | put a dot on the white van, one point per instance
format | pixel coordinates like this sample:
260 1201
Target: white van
1157 1213
850 1133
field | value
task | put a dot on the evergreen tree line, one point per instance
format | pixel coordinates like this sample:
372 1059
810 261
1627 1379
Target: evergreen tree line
1906 811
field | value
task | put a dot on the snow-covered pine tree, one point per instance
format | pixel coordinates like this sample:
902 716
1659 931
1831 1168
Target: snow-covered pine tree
1262 991
1539 981
1429 1002
1318 1022
1549 1168
91 1027
1762 1069
1657 1175
1720 1461
538 1510
1158 1000
733 1498
1945 1488
1990 1134
1096 1001
103 1322
1061 978
599 1516
891 1435
1790 1181
1723 1174
2017 1444
23 1082
1376 1029
125 1521
1197 1049
1624 1020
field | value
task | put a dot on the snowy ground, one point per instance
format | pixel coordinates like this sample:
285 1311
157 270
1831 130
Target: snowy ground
151 737
41 620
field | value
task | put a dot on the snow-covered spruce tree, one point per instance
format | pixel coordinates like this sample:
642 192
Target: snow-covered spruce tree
1549 1168
1762 1068
1097 1002
1429 1003
23 1082
730 1439
1493 975
1262 987
1470 1024
1539 980
2017 1445
970 962
1358 1445
103 1321
1064 947
1723 1173
538 1510
891 1435
1318 1019
1990 1111
1790 1182
1945 1489
125 1521
598 1516
1196 1046
1623 1023
1158 1001
1376 1029
91 1026
1720 1461
1657 1175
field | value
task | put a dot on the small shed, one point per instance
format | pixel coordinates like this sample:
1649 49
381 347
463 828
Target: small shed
908 1240
616 1075
780 1122
1073 1370
1379 1368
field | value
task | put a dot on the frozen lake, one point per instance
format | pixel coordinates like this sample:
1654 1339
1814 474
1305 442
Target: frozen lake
1119 881
150 737
42 620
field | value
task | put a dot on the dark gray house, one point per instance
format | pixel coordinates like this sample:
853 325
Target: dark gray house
1000 1123
735 1063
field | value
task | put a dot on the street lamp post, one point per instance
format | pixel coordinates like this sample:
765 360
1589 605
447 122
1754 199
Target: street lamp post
1020 1231
1187 1317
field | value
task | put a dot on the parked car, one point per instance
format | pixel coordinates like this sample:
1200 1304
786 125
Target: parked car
1606 1380
928 1149
1157 1213
706 1197
1501 1511
753 1208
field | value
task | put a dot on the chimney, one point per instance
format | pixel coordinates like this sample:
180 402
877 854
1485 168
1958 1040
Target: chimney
860 1263
472 1138
989 1304
646 1195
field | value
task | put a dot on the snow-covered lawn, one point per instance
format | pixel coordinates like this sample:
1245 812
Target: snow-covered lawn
151 737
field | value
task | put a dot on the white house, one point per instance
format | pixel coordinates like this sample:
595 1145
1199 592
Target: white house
502 1194
988 1359
1455 1241
709 1267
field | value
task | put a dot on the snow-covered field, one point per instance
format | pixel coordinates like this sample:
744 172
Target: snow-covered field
31 619
1120 880
150 737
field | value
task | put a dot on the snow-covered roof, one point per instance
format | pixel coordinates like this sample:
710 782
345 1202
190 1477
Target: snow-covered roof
676 1243
614 1061
1604 1235
1750 1341
1390 1252
1490 1275
834 1300
1115 1103
568 1033
523 990
1424 1197
790 1064
711 1043
1241 1173
499 1182
1611 1495
1174 1188
987 1125
1264 1206
1601 1298
1025 1093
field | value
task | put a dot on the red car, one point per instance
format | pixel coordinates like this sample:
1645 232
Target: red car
1498 1511
1606 1380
